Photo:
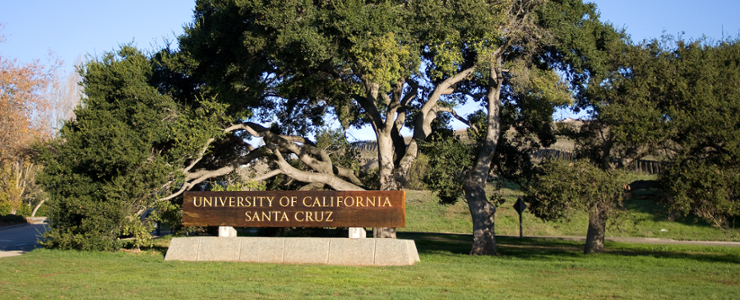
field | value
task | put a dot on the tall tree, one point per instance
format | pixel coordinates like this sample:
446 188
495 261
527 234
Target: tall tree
598 61
563 187
698 92
110 164
388 64
23 103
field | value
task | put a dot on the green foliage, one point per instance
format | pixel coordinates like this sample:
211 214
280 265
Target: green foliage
24 210
449 160
116 159
562 188
4 208
581 44
418 172
677 99
371 179
710 191
382 60
139 230
701 100
239 186
341 152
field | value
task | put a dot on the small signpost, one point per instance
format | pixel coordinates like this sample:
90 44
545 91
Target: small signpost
520 206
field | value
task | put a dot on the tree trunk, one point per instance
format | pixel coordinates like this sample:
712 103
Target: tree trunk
595 234
483 213
387 180
481 210
402 169
35 209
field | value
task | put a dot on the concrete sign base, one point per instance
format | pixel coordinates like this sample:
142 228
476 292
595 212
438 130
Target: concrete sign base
327 251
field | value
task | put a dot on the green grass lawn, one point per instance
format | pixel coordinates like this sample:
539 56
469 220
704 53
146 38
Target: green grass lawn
528 268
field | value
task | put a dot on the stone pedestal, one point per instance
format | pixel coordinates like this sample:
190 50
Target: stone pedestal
226 231
357 233
327 251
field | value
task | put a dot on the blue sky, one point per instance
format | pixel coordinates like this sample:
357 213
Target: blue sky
77 28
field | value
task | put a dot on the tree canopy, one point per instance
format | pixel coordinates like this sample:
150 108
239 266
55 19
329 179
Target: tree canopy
168 122
113 162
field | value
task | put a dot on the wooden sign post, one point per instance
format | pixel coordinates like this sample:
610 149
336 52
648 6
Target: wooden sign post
295 209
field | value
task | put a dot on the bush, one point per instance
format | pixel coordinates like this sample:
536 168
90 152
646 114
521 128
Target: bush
24 210
12 219
371 179
125 150
4 208
419 168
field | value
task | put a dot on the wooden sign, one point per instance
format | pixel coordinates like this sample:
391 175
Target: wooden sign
295 209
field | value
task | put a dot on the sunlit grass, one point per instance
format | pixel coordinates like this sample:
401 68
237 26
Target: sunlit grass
528 268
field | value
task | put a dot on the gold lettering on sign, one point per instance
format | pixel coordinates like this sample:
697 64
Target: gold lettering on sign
287 201
260 208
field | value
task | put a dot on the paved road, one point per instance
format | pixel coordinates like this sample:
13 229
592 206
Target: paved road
16 240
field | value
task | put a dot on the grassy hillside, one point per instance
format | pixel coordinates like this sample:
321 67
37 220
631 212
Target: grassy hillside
642 218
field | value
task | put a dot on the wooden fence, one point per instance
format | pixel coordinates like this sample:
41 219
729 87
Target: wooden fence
641 166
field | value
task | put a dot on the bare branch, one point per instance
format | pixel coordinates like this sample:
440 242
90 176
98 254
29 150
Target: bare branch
458 117
267 175
200 155
423 124
334 182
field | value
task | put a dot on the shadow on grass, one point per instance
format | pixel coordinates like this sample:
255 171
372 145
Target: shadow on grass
548 249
